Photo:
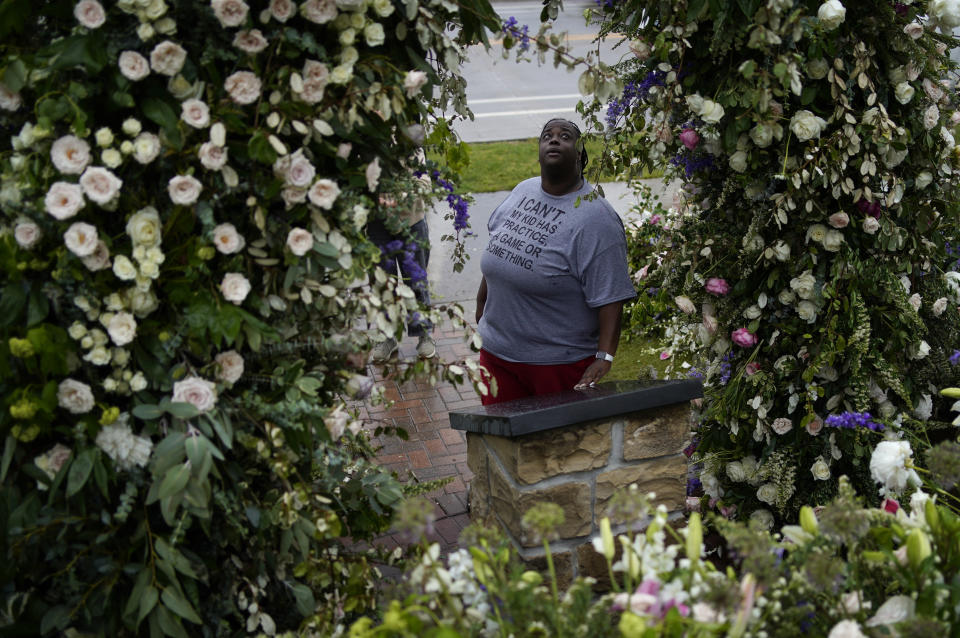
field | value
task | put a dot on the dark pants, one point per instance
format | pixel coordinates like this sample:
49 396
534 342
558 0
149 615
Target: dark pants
417 324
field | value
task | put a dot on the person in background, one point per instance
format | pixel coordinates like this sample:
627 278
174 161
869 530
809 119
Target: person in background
554 278
406 245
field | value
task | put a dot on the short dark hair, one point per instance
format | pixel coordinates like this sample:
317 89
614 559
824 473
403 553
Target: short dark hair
583 149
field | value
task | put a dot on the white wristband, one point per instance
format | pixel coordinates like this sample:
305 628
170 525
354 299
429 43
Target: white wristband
606 356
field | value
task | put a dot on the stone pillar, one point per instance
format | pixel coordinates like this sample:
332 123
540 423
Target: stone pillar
576 449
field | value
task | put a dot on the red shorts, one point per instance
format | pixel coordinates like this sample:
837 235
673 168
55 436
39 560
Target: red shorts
518 380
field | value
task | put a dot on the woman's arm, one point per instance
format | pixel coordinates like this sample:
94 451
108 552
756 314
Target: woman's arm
608 317
482 299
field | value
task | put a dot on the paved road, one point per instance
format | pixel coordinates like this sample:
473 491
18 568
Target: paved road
512 100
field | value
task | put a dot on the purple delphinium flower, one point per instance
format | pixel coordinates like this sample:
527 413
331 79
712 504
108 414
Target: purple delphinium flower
955 358
853 420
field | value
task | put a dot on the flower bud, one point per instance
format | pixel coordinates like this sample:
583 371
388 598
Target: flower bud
694 537
808 520
932 514
918 547
606 535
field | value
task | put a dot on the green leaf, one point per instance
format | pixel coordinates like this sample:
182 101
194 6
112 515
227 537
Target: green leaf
174 481
8 449
55 618
37 307
260 150
80 471
181 409
147 602
306 604
175 602
695 8
224 430
308 385
143 579
100 477
172 555
15 75
123 99
147 412
169 623
12 300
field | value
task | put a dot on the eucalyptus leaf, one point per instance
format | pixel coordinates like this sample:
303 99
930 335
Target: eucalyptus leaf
80 470
176 603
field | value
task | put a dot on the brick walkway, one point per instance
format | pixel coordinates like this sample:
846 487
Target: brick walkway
433 450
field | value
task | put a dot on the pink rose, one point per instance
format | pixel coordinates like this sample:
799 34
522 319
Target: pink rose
744 338
839 220
752 368
717 286
890 505
664 355
689 138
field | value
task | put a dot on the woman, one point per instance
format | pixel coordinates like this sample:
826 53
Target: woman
554 278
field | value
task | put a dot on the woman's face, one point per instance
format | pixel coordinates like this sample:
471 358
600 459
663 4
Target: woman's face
558 148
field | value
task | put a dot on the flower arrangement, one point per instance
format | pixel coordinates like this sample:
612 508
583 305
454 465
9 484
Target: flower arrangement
186 281
819 196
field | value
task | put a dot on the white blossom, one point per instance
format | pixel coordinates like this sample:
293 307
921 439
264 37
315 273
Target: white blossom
75 396
199 392
243 87
230 13
184 189
251 41
891 465
126 449
299 241
63 200
81 239
133 66
323 193
167 58
70 154
831 14
90 14
122 328
212 157
230 366
146 148
235 287
195 113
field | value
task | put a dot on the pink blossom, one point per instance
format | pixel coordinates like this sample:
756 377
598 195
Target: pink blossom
664 355
655 219
717 286
743 338
752 368
728 510
689 138
891 505
693 504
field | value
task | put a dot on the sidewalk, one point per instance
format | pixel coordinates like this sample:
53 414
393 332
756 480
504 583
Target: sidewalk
433 450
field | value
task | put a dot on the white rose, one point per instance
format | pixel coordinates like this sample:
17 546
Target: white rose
299 241
99 259
918 351
341 73
195 113
141 302
167 58
839 220
282 10
243 87
767 493
81 239
374 35
383 8
320 11
299 171
251 41
230 13
904 92
738 161
761 135
9 100
230 366
200 393
138 382
816 232
923 180
782 425
831 13
870 225
90 14
70 154
235 287
939 306
896 609
373 174
820 470
100 185
752 312
805 125
184 189
804 284
685 304
63 200
833 240
931 116
144 228
165 26
133 66
111 158
75 396
413 81
711 112
122 328
124 269
763 517
807 311
27 234
814 427
146 148
227 240
212 157
891 466
735 472
323 193
103 137
786 297
846 629
915 301
99 356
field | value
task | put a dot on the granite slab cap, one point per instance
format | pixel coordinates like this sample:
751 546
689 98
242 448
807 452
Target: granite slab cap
549 411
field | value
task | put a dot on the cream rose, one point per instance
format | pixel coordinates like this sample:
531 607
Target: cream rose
63 200
374 35
100 185
70 154
99 259
235 287
230 366
144 228
81 239
818 69
931 116
831 14
243 87
122 328
230 13
167 58
738 161
735 472
251 41
90 14
124 269
133 66
832 240
195 113
870 225
319 11
711 112
27 234
200 393
282 10
413 81
146 148
75 396
227 240
939 306
383 8
184 189
820 470
762 135
782 425
814 427
804 284
767 493
805 125
323 193
299 172
212 157
839 220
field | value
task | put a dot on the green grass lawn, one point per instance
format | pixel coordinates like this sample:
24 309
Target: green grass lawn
499 166
635 358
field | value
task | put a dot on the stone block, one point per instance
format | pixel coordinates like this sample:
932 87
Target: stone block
656 432
510 504
535 457
667 477
479 490
562 566
593 564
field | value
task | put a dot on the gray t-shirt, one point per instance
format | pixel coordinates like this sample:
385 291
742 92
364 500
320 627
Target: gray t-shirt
549 265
